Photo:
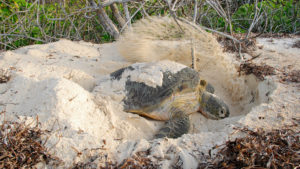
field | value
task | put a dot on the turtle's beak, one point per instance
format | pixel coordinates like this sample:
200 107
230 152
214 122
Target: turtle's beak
206 115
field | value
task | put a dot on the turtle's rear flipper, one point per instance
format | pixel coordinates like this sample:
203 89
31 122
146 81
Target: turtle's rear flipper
178 125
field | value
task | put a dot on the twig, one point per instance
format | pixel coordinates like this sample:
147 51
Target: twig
172 12
105 21
193 55
195 11
144 11
255 19
122 29
265 28
109 2
7 45
197 27
23 36
127 15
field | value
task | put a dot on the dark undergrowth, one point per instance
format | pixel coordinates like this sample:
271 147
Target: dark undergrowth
21 146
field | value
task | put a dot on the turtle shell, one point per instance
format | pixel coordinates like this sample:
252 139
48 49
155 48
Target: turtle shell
148 85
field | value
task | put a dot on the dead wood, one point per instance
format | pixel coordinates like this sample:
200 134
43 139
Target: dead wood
117 15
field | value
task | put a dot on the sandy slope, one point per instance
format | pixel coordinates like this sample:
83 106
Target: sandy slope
55 82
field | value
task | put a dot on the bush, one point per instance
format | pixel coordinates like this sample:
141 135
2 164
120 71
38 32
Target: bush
279 16
26 22
34 22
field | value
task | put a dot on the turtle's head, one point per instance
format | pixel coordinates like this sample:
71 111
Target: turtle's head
210 105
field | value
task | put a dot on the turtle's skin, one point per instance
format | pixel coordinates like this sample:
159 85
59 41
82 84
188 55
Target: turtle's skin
180 93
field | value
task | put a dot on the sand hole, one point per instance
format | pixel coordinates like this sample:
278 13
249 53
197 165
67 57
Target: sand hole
255 93
241 93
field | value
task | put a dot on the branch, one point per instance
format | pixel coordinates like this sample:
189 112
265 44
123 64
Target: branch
6 45
144 12
109 2
218 8
195 11
23 36
105 21
197 27
117 15
255 19
127 15
173 14
133 16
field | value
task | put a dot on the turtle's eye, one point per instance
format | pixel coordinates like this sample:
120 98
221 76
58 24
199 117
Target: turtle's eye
222 112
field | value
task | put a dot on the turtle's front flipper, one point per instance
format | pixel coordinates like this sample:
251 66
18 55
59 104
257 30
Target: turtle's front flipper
178 125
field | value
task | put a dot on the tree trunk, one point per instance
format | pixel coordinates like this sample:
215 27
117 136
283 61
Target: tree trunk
105 21
117 15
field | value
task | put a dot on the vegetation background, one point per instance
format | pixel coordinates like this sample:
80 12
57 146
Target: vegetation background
26 22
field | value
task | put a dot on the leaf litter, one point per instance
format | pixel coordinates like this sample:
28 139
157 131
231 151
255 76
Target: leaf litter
260 71
21 146
278 149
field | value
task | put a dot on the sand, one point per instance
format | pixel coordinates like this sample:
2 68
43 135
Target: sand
59 84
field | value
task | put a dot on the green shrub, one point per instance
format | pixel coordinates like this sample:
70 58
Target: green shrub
25 22
280 16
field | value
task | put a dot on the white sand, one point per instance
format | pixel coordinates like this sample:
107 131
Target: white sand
55 83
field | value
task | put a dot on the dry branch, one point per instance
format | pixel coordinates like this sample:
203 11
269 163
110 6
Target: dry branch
127 15
197 27
109 2
122 29
117 15
195 11
105 21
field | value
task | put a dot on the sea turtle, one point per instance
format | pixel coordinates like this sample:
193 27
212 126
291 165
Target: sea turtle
168 91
